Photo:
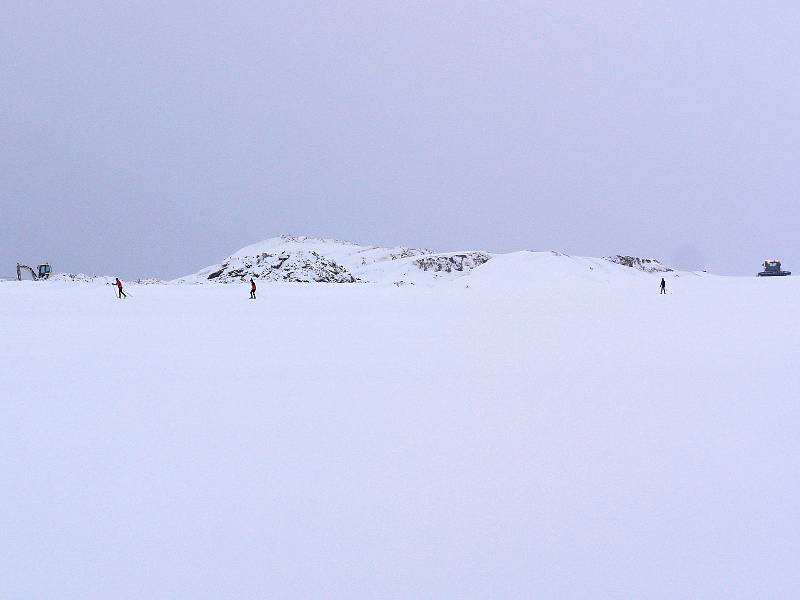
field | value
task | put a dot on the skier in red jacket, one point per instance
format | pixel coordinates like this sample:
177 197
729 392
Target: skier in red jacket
118 283
252 289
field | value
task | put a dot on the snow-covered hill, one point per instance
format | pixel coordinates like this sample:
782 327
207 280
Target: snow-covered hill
301 259
305 259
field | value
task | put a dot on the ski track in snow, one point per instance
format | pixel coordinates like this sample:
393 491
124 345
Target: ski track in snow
543 427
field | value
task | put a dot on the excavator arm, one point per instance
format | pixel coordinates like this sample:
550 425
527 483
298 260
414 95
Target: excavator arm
26 267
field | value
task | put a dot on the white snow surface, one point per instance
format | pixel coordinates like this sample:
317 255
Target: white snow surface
542 427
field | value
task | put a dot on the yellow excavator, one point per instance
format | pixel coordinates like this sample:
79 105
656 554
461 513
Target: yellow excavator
41 272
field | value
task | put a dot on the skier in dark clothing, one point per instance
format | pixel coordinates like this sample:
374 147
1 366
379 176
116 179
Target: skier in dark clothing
122 294
252 289
663 286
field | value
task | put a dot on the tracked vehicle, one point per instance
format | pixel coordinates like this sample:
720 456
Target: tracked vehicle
772 268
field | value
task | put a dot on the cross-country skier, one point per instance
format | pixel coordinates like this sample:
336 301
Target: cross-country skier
252 289
663 286
118 283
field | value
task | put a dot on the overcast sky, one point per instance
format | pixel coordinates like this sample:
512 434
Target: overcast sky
155 138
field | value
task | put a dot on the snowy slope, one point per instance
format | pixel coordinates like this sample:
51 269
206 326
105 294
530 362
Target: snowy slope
545 427
304 259
565 274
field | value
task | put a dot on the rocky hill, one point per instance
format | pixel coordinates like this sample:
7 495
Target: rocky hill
313 260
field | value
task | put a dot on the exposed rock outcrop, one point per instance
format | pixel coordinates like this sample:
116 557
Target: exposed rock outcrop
649 265
448 263
301 266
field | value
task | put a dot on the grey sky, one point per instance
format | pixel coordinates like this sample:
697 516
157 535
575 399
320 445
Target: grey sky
154 138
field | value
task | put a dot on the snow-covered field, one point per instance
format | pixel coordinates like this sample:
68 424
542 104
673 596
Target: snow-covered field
542 427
